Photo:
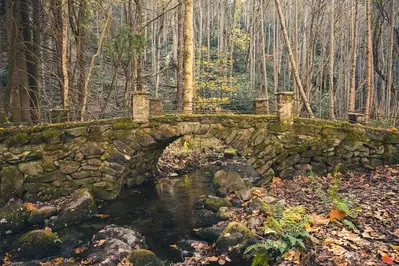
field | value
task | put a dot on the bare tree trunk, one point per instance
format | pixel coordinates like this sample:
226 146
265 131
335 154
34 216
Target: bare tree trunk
93 58
369 57
64 56
188 57
263 54
390 61
292 59
352 92
332 59
180 56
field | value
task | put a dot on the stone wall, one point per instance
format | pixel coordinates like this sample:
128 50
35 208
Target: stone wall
40 163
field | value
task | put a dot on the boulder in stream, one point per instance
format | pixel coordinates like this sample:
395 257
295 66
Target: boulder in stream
236 236
230 180
13 218
113 243
144 257
37 244
214 203
77 208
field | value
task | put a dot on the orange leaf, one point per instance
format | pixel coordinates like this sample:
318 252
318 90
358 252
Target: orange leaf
394 129
48 229
79 250
102 216
337 215
388 260
30 207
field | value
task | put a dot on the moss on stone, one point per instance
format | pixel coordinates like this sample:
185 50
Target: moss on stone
37 244
51 136
214 203
125 125
19 139
392 137
14 218
144 257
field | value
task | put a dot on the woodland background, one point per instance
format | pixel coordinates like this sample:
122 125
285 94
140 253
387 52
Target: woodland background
87 57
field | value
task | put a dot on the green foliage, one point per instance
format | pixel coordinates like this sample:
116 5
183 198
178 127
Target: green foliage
332 199
287 230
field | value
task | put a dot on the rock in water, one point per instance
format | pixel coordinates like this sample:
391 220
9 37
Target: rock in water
229 180
13 218
144 257
37 244
214 203
113 243
78 208
236 236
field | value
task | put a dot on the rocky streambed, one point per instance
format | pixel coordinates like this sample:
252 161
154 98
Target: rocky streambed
165 225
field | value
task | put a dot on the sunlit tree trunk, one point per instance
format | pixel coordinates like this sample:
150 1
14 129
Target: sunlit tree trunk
390 60
64 55
369 58
180 56
332 59
188 57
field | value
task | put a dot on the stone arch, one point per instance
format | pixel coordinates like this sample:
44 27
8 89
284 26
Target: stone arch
51 161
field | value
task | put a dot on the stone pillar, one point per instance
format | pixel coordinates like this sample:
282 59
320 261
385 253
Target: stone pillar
355 118
156 107
260 106
285 102
141 107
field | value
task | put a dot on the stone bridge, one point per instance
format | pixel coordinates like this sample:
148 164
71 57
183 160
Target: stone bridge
44 162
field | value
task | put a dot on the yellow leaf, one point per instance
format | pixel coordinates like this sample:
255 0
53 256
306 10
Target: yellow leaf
173 246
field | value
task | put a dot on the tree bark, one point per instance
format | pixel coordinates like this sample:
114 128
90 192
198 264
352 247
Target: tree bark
64 55
180 56
188 57
369 58
352 92
332 59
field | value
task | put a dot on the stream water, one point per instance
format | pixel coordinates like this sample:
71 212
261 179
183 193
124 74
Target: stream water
164 214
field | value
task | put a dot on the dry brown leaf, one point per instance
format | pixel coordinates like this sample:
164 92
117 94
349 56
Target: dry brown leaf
319 220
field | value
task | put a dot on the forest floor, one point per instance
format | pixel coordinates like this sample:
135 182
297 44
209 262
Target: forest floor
369 235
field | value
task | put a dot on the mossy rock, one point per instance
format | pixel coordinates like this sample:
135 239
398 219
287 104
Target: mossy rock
144 257
236 236
38 216
12 182
50 136
214 203
13 218
19 139
230 180
37 244
78 208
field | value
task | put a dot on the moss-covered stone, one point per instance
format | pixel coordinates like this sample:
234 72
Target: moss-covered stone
144 257
37 244
79 207
230 180
39 215
214 203
50 136
19 139
11 182
13 218
235 236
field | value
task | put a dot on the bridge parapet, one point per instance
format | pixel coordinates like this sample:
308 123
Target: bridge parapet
39 163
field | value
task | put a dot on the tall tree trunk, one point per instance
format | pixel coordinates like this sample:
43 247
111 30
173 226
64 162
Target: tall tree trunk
64 55
332 59
390 60
188 57
352 92
180 56
292 59
369 58
263 54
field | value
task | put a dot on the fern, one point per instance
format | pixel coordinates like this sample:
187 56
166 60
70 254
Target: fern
287 229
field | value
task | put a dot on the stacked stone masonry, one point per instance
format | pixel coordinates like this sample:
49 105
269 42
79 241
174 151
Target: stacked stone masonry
46 162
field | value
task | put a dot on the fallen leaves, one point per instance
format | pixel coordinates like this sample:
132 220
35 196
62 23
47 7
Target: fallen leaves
337 215
319 220
388 260
30 206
